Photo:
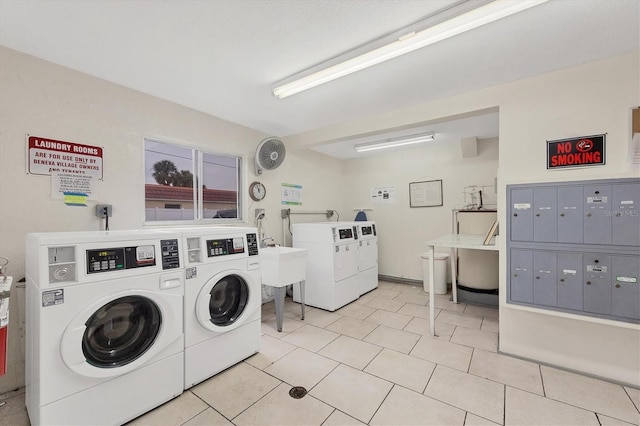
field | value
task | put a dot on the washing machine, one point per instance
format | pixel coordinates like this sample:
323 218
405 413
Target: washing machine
332 263
367 256
104 339
222 301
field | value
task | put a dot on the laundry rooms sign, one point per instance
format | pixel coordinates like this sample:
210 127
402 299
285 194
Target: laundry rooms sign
576 152
45 156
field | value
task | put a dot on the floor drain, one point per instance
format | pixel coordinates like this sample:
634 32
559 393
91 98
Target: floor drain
297 392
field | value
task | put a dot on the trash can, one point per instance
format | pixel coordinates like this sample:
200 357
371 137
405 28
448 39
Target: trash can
440 266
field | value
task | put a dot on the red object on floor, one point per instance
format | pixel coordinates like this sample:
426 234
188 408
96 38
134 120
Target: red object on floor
4 331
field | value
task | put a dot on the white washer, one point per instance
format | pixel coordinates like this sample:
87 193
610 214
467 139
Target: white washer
104 330
223 294
367 256
332 263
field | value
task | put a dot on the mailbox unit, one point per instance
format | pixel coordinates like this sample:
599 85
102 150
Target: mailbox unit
575 247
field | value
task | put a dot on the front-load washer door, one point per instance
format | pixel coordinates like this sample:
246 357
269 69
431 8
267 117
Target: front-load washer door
225 301
120 333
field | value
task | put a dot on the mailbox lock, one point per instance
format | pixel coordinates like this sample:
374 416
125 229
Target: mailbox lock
561 280
597 192
538 214
596 261
561 214
588 282
515 215
588 214
618 214
538 277
617 285
515 275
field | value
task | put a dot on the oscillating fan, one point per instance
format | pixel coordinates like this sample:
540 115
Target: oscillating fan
269 154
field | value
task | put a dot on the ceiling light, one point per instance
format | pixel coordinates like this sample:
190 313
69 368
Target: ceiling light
392 143
407 42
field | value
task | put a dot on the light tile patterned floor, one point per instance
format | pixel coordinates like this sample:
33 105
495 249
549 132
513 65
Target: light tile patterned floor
373 362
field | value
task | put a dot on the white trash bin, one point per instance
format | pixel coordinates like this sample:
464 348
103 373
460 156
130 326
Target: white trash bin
440 267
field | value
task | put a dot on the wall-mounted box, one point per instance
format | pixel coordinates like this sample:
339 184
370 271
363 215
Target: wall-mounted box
575 247
580 213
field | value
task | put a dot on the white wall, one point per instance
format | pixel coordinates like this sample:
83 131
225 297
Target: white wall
588 99
402 230
591 99
42 99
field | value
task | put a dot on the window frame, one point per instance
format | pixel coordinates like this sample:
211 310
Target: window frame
198 200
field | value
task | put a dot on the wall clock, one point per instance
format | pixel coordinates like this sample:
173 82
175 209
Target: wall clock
257 191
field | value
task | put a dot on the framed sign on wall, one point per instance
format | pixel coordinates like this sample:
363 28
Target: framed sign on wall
576 152
425 194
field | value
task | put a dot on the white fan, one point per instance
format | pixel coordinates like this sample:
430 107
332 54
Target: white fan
269 154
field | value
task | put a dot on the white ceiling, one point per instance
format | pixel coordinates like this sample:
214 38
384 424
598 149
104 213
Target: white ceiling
222 56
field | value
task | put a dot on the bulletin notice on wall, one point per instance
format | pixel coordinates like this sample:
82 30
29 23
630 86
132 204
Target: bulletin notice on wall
383 195
46 156
291 194
73 189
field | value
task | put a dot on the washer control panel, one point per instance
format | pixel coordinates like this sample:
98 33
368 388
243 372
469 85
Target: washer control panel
118 258
115 259
367 230
225 246
345 233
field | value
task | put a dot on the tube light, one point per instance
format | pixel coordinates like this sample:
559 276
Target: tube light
406 43
392 143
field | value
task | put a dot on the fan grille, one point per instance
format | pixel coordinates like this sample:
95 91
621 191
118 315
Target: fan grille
271 154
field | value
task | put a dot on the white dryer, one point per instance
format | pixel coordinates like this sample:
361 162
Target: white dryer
223 295
332 263
103 326
367 256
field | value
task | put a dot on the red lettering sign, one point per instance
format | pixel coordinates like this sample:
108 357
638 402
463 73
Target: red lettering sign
576 152
49 155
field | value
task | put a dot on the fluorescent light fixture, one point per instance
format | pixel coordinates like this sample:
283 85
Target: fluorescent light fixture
392 143
405 43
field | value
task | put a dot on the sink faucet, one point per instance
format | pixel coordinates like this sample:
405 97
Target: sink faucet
263 241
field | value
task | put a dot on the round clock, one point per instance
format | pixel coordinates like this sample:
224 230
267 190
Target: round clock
257 191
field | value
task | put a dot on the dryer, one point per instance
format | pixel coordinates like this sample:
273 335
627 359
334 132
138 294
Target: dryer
332 263
104 339
367 256
223 296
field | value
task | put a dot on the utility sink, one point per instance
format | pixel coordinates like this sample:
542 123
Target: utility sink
281 266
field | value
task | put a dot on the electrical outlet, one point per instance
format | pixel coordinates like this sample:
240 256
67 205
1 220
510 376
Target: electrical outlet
100 212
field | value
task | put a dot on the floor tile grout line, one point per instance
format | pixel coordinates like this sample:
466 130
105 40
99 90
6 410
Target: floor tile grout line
504 406
624 388
393 385
206 403
330 414
382 348
429 379
589 410
448 403
598 419
544 390
259 399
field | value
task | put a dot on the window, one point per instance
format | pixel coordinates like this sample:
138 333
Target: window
183 183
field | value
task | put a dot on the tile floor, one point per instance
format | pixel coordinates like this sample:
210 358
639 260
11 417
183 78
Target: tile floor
373 362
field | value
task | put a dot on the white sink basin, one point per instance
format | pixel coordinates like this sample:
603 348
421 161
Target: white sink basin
281 266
